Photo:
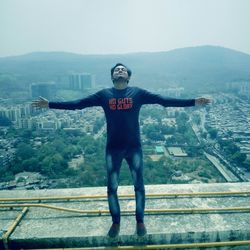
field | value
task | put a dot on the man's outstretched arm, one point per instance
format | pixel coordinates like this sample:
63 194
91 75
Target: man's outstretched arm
151 98
90 101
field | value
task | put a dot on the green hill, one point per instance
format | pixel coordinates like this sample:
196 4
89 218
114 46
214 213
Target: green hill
194 67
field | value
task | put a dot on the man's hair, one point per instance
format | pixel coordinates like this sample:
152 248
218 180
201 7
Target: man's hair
120 64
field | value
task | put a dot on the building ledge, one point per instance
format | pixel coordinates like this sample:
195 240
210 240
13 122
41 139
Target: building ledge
48 228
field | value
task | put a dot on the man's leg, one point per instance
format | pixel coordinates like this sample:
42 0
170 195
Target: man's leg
113 164
135 161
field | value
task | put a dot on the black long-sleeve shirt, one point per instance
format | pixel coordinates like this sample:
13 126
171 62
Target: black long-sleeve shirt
122 109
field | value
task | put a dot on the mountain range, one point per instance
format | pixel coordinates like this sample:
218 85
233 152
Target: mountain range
193 67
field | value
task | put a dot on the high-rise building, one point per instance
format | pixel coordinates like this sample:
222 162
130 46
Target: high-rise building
25 123
81 81
12 113
46 89
25 110
48 124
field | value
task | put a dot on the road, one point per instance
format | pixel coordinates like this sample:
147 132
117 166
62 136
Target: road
227 174
223 169
100 132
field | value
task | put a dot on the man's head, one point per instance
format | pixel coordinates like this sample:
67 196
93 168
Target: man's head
120 72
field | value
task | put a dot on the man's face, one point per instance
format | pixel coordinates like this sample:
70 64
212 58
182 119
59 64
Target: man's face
120 72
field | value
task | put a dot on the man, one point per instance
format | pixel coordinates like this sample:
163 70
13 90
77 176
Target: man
121 105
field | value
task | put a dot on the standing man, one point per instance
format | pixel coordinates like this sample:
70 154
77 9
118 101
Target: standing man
121 105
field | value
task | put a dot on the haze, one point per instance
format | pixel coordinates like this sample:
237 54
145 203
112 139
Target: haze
111 26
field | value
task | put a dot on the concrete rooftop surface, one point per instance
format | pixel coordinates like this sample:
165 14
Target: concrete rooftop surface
44 228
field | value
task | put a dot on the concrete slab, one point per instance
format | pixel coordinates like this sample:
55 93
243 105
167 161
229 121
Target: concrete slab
45 228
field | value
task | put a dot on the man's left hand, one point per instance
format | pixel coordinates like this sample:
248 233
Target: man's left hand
202 101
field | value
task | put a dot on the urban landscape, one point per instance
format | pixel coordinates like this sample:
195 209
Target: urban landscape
225 120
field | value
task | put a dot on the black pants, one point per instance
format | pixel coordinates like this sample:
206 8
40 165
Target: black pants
134 159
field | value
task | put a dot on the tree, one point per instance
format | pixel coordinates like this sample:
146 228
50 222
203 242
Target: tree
31 165
70 151
231 148
247 164
213 133
153 132
6 175
54 166
239 157
204 134
182 128
182 121
182 117
167 129
98 125
47 167
58 144
24 151
90 149
26 134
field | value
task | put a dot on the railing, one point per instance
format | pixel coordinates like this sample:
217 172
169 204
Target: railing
147 211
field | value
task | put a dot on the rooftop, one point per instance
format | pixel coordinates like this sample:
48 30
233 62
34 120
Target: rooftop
41 228
176 151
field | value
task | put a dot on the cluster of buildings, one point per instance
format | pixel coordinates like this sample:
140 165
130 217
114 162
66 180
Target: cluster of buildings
46 121
50 119
76 81
174 92
23 116
231 118
240 87
7 152
81 81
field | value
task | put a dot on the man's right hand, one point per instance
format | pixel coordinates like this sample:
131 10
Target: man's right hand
40 103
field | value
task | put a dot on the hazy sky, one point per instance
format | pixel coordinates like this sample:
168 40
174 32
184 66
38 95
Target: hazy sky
121 26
